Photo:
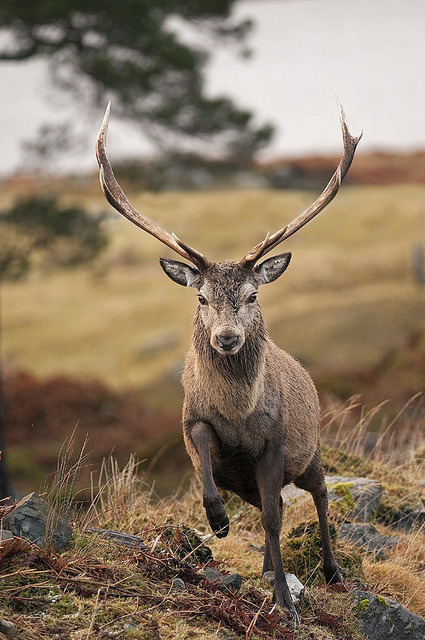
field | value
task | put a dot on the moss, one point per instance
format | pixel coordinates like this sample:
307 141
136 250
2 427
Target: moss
346 501
302 554
382 601
362 605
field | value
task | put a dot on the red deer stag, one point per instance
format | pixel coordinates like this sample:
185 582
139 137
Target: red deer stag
251 412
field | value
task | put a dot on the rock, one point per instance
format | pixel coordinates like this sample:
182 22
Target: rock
295 586
290 493
406 520
122 539
5 536
34 520
178 584
368 538
359 496
231 581
7 628
383 619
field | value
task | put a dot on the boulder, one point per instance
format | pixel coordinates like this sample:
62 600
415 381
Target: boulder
359 497
365 536
383 619
35 520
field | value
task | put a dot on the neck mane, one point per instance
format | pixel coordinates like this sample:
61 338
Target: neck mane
243 365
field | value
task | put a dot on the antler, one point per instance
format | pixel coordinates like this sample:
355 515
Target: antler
116 197
329 193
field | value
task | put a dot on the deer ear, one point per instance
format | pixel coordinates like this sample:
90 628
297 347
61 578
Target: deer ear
272 268
181 273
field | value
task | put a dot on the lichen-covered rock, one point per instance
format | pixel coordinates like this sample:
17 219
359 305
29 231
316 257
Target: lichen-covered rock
367 537
35 520
358 497
383 619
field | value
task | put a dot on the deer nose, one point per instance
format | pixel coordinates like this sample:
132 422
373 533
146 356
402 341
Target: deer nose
227 343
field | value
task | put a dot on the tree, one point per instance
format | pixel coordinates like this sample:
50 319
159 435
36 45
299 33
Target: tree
37 230
130 52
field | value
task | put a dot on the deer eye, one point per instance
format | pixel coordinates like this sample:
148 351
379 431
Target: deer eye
252 297
202 300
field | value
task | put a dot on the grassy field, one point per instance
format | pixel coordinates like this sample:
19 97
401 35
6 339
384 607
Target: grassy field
349 295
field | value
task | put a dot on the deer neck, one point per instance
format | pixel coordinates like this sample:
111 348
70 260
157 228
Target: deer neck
233 383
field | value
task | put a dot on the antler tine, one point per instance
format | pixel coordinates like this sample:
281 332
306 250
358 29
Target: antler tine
350 143
116 197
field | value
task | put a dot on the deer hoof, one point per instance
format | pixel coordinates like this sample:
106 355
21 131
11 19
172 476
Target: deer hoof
220 527
217 517
333 576
292 612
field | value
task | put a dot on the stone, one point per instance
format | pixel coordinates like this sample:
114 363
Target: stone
290 493
367 537
231 581
296 588
33 519
122 539
359 496
407 519
5 536
383 619
7 628
178 584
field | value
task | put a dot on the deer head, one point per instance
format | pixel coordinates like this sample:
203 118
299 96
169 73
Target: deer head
227 291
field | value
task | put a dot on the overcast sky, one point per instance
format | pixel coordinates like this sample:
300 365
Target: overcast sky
370 52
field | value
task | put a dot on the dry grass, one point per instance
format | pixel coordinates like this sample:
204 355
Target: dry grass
348 296
96 588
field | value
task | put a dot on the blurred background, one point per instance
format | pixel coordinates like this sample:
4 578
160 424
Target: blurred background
224 125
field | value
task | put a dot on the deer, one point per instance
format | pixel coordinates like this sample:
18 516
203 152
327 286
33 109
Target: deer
251 411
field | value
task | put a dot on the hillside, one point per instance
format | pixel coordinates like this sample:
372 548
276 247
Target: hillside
96 589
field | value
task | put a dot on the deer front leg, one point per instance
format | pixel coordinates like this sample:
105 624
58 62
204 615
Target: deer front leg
202 438
269 478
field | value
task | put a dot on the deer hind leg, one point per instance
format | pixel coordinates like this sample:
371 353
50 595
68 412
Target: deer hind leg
313 480
202 437
269 478
267 562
